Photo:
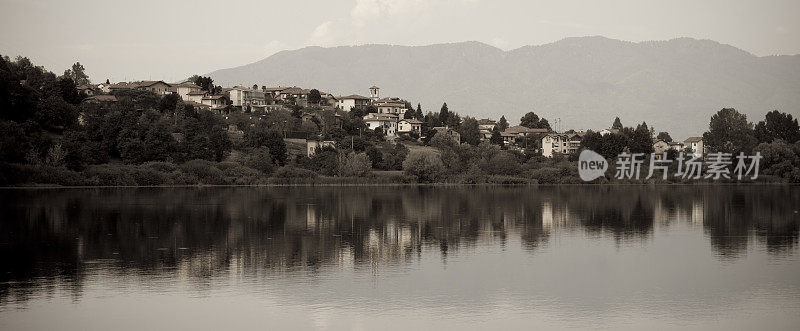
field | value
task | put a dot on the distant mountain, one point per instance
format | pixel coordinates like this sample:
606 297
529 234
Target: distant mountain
673 85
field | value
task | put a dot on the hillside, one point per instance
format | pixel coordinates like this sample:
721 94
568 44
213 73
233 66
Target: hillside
674 85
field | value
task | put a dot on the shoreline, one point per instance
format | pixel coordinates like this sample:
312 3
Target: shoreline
396 185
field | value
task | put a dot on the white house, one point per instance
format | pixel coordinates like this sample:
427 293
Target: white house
215 102
604 132
353 101
387 122
409 125
696 145
660 146
312 145
243 97
183 90
391 106
676 145
560 143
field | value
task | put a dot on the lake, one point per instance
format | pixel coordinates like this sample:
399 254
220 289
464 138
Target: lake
398 258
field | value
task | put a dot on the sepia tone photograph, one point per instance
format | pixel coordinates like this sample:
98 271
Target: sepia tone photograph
399 165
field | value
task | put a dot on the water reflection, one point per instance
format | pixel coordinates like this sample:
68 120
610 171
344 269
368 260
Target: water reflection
61 239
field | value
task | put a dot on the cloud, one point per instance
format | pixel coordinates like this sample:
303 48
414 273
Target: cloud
323 35
366 11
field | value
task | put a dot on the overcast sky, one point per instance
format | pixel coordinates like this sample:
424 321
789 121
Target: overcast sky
170 40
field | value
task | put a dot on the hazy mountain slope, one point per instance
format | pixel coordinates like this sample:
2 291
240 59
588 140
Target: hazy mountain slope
674 85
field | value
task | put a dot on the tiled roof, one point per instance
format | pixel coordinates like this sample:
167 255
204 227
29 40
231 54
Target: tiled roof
353 96
522 129
693 139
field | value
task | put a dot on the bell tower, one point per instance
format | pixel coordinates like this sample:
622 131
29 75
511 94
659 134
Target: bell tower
374 93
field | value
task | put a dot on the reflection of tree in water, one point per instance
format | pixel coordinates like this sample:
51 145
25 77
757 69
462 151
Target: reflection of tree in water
56 237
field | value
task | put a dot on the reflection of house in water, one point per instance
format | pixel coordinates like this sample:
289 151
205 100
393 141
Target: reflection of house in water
392 242
554 217
698 212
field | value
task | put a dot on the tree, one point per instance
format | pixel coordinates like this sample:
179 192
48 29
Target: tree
640 140
470 131
444 113
729 132
354 165
664 136
409 114
425 165
314 96
497 138
617 124
375 157
777 125
261 160
205 83
502 123
169 103
263 136
77 74
503 163
418 114
531 120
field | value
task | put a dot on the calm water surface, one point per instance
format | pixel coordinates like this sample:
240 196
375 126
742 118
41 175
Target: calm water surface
370 258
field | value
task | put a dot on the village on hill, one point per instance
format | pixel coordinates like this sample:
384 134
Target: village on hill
65 130
393 116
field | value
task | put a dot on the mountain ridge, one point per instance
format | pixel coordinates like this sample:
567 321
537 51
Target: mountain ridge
674 85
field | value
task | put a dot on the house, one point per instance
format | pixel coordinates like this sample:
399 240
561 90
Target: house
509 138
511 134
88 89
675 145
197 105
244 97
215 102
156 86
522 131
100 98
660 146
195 96
387 122
183 90
486 128
449 132
604 132
391 106
409 125
353 101
312 145
561 143
696 145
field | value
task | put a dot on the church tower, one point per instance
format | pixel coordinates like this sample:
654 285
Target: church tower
374 93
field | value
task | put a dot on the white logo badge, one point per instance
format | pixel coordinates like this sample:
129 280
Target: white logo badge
591 165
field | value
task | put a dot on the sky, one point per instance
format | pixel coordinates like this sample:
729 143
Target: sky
171 40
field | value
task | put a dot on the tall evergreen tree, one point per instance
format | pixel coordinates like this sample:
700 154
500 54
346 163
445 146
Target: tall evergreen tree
502 123
617 124
444 114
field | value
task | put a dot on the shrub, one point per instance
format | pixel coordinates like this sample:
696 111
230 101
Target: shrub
294 172
110 175
355 165
546 175
241 175
206 172
147 176
261 160
504 163
425 165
